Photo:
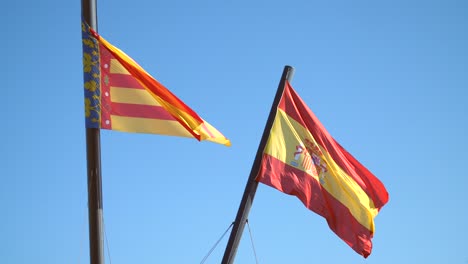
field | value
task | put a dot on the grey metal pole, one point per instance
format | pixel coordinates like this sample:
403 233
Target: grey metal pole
251 186
93 155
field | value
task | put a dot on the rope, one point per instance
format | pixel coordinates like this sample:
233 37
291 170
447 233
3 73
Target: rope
82 241
217 242
251 240
107 242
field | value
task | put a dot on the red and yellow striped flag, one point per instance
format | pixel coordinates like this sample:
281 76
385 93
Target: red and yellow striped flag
121 95
302 159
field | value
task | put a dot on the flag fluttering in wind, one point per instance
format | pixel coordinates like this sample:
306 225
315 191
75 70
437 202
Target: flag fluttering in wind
121 95
302 159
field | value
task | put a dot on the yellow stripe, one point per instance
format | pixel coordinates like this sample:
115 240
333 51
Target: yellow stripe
132 96
116 67
286 134
150 126
210 133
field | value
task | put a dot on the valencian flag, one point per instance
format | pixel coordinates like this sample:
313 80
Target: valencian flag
121 95
302 159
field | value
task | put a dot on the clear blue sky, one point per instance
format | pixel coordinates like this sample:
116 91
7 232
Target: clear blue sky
389 80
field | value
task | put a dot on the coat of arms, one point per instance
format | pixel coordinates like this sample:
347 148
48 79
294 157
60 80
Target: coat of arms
308 157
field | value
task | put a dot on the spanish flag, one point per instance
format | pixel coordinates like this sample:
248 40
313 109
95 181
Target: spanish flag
302 159
121 95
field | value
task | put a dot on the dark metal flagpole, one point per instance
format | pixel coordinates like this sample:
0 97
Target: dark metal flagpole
93 154
251 186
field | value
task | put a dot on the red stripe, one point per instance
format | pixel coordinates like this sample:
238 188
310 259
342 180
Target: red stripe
143 111
290 180
124 80
293 105
106 121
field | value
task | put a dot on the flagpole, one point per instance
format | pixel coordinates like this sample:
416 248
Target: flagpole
93 155
251 186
